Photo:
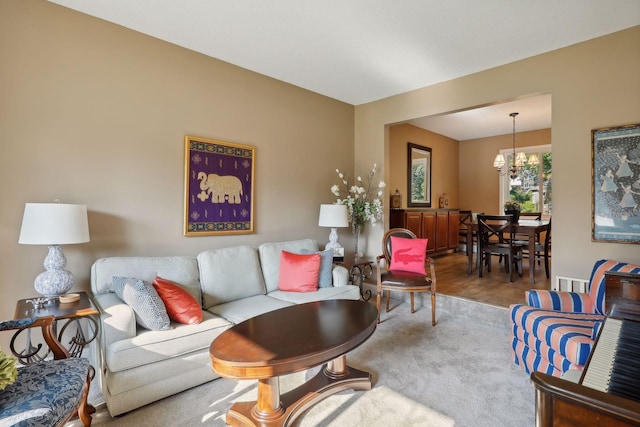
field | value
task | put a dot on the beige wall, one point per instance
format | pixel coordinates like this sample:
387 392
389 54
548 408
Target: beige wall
593 84
96 114
444 155
480 183
460 168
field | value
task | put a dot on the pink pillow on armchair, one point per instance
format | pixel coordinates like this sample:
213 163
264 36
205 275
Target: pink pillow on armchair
408 254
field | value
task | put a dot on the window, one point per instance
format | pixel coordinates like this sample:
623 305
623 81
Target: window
532 187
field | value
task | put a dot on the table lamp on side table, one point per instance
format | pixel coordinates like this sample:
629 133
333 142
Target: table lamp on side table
333 216
54 224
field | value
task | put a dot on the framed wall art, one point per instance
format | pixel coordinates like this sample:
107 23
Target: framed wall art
418 175
615 184
218 187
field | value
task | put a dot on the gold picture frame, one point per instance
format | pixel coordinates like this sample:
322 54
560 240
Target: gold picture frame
218 187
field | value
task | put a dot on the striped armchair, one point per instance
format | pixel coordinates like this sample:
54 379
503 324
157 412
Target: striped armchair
556 330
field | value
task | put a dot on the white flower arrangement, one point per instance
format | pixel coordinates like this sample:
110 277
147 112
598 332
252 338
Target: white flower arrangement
363 200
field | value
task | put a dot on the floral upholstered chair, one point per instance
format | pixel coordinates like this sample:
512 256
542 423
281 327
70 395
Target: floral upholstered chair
46 393
555 331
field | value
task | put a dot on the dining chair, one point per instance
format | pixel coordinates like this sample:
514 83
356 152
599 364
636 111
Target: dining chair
464 219
531 216
394 277
523 239
496 236
48 392
543 250
536 216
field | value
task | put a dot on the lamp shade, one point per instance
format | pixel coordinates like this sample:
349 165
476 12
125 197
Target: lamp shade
333 216
54 224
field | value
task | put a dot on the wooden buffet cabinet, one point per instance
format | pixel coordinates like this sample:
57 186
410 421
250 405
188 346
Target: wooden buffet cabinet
440 226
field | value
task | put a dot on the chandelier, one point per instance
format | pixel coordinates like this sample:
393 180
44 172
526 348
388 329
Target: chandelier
517 161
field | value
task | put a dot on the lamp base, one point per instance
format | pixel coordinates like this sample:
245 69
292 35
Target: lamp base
333 240
56 280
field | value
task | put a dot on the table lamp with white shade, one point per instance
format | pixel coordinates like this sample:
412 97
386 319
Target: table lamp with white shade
54 224
333 216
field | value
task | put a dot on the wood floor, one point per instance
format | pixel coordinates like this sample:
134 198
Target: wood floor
492 288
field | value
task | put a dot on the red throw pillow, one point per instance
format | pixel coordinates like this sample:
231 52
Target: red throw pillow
408 254
181 306
299 272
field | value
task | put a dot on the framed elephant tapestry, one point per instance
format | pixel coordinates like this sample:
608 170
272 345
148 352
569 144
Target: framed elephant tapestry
218 187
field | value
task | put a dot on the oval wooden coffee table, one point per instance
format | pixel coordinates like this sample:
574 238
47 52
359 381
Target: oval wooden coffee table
290 340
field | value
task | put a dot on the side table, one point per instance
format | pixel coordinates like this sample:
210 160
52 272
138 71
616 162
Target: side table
360 268
71 313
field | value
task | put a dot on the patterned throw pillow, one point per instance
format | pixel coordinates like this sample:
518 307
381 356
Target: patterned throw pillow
408 254
145 302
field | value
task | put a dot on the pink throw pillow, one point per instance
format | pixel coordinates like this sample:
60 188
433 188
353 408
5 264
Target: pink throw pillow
299 272
181 306
408 254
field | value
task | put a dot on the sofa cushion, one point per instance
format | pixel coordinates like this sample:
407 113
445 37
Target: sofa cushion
299 272
179 269
144 300
342 292
325 278
230 274
181 306
152 346
270 258
240 310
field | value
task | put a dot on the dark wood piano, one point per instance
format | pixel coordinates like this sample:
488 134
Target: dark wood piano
608 393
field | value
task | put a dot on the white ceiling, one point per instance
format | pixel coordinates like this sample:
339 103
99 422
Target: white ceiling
358 51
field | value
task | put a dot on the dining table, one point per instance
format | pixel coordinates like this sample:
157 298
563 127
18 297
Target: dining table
529 227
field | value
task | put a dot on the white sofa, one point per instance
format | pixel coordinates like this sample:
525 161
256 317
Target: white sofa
138 366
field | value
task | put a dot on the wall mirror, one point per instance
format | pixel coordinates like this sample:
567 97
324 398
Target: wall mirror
418 175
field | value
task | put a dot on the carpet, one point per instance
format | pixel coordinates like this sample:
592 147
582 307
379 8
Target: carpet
458 373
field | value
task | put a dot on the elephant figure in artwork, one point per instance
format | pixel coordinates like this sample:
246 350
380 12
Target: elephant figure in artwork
221 188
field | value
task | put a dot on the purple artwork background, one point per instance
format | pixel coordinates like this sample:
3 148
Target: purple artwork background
207 213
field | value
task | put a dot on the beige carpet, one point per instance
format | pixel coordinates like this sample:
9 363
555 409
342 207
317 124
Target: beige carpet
458 373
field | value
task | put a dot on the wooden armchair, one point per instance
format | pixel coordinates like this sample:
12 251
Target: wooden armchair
403 281
49 392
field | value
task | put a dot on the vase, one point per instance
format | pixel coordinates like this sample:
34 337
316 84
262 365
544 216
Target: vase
356 234
514 214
